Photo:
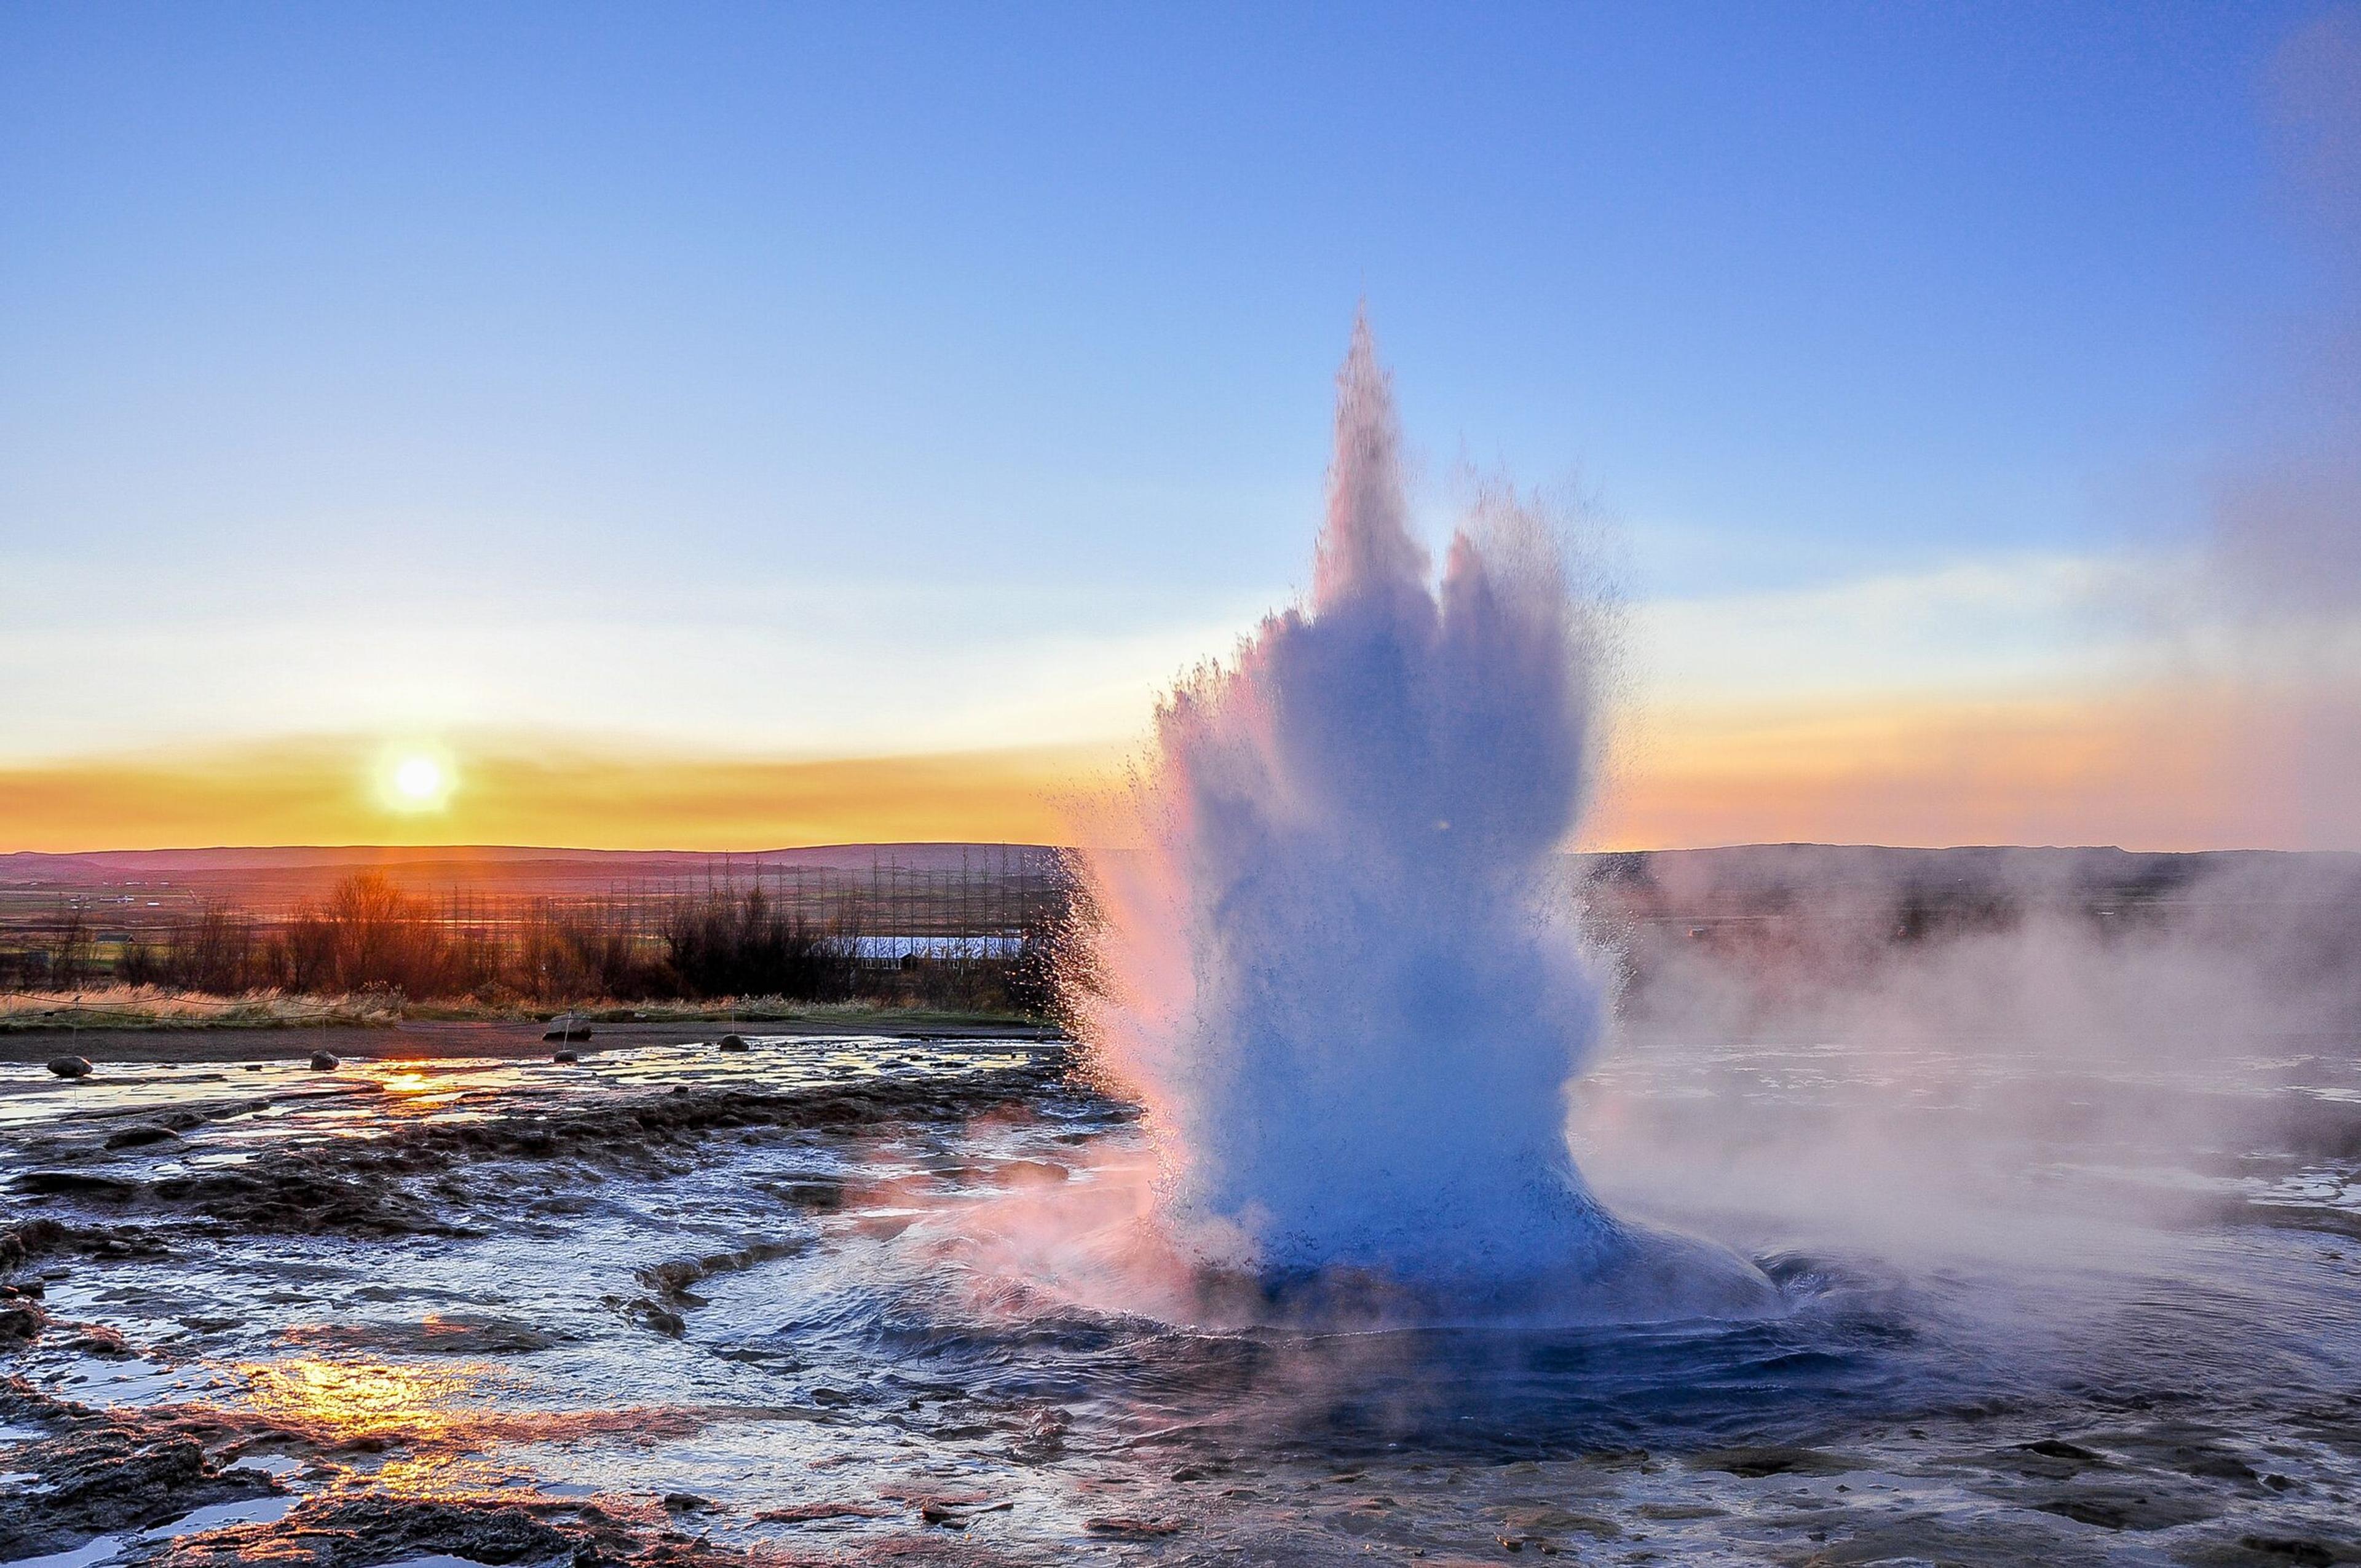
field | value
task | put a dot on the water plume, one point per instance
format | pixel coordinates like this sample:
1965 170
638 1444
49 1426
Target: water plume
1335 960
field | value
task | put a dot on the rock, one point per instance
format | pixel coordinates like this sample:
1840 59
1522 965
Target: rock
69 1066
323 1062
2139 1502
454 1179
685 1502
565 1059
104 1473
647 1314
1124 1527
98 1339
29 1240
140 1133
78 1184
1756 1463
805 1513
21 1321
735 1043
347 1531
671 1280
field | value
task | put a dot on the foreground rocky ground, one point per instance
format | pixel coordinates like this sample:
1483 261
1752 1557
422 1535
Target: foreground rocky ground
110 1185
723 1305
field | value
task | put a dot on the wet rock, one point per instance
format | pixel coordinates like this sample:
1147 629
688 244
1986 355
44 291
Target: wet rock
141 1134
1550 1521
78 1184
686 1503
565 1059
304 1196
365 1530
671 1280
21 1323
2289 1548
735 1043
1124 1527
649 1315
98 1339
2124 1507
102 1473
40 1238
1674 1513
1754 1463
2049 1459
433 1177
323 1061
29 1240
824 1193
805 1513
69 1066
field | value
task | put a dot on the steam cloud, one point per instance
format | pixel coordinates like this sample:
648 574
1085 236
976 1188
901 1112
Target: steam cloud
1337 969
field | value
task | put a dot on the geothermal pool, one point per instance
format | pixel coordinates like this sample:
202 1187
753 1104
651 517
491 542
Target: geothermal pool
680 1305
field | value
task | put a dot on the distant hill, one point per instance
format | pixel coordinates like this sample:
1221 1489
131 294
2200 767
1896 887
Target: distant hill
1750 874
274 877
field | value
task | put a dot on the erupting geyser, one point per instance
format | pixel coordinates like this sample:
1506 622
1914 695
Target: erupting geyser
1336 961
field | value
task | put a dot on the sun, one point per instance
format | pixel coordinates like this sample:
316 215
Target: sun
417 778
413 778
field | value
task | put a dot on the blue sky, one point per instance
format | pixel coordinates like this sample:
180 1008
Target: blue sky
889 347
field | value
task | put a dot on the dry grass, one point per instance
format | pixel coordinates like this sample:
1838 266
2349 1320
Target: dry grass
156 1007
153 1007
717 1010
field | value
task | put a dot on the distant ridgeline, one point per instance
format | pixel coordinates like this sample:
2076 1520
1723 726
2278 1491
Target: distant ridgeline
565 924
1912 892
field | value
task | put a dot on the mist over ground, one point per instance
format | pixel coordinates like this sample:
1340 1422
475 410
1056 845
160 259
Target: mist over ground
2008 1050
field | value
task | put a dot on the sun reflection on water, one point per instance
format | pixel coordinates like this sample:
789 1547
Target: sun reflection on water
430 1409
338 1402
